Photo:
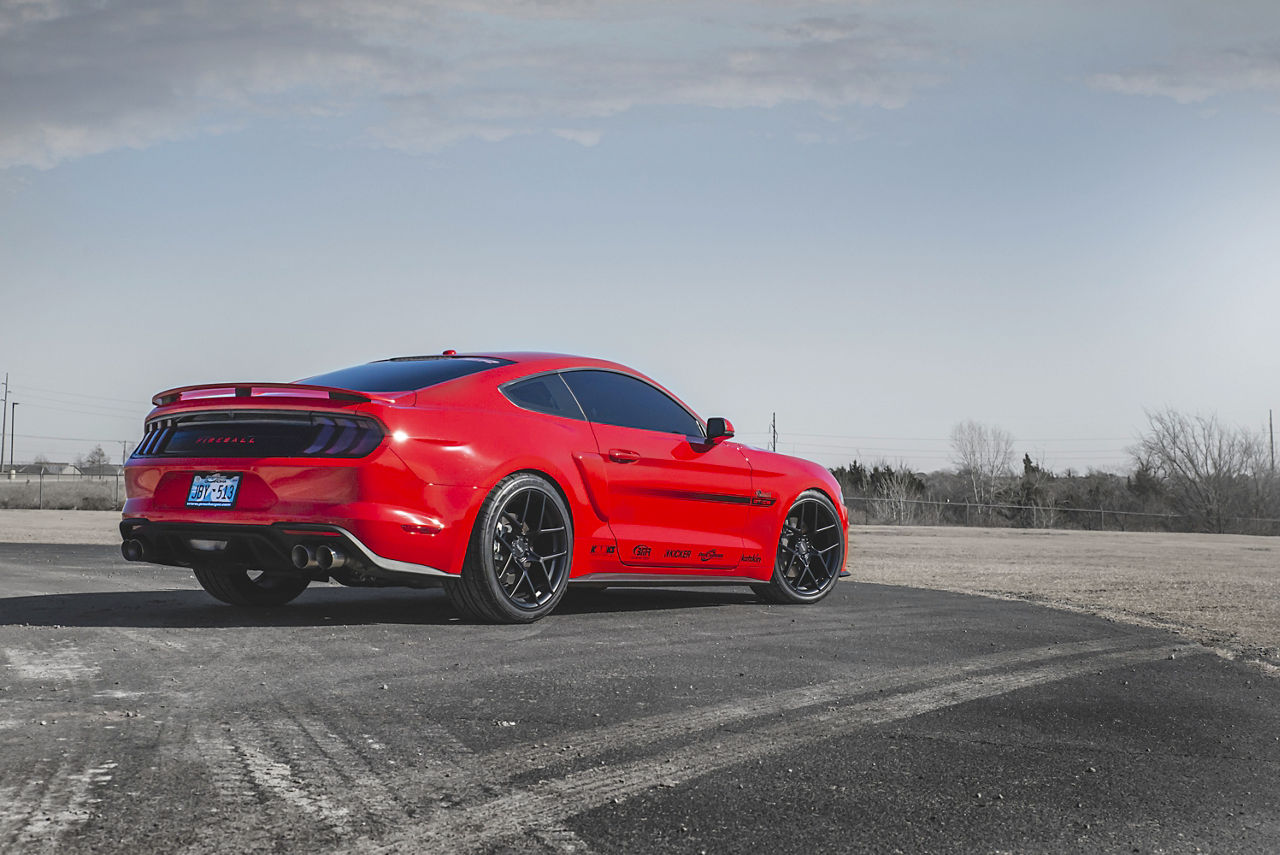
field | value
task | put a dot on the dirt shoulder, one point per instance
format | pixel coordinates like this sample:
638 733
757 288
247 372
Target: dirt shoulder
86 527
1220 590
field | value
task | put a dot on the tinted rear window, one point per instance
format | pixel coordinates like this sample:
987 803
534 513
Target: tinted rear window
401 375
545 394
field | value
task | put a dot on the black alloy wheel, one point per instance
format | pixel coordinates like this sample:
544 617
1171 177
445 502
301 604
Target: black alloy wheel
517 565
810 553
242 587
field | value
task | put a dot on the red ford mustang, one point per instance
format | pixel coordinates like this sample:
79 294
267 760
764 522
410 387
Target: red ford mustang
503 478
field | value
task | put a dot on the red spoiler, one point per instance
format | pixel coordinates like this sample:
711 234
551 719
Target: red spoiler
253 390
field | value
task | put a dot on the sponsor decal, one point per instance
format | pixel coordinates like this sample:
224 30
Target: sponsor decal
601 549
220 440
678 553
751 557
709 555
641 551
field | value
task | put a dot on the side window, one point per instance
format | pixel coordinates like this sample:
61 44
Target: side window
616 399
545 394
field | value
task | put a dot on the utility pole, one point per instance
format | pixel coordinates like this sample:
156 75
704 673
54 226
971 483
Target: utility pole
773 433
1272 425
4 419
120 474
13 428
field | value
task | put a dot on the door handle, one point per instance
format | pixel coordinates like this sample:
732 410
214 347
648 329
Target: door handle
621 455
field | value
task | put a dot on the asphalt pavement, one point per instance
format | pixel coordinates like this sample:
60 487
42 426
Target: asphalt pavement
139 715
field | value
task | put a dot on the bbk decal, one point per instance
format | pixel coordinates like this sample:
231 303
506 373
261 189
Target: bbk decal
641 551
709 555
678 553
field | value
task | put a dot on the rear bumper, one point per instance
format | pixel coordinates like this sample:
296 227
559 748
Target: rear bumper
263 547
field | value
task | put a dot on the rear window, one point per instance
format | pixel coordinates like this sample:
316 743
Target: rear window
545 394
401 375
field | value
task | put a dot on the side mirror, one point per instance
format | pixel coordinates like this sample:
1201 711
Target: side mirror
718 429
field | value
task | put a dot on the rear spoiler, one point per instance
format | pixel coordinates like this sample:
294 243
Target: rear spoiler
253 390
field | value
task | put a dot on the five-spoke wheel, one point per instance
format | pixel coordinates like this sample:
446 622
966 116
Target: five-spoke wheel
810 552
517 564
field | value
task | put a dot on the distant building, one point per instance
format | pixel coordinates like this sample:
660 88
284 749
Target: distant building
47 468
101 470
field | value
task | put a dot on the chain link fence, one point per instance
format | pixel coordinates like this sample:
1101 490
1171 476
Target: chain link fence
902 511
40 489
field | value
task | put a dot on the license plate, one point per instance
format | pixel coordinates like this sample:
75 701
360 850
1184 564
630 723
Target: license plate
213 491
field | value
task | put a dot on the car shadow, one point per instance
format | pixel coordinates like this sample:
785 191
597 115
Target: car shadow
318 606
585 601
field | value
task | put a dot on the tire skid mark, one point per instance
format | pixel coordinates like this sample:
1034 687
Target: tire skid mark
293 760
527 758
520 812
35 816
457 779
280 780
18 803
236 794
331 768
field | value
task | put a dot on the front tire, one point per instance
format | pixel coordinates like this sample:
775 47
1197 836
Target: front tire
517 564
250 587
810 552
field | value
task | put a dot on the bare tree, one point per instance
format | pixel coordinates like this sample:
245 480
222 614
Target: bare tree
92 462
984 455
897 494
1213 474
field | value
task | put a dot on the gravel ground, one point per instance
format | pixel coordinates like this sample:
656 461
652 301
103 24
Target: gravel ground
71 527
1219 590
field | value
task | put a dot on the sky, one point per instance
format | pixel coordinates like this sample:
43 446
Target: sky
874 219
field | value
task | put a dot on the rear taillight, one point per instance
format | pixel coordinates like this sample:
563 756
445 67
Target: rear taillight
255 434
339 436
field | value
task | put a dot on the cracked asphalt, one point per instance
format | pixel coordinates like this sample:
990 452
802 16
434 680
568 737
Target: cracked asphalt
139 715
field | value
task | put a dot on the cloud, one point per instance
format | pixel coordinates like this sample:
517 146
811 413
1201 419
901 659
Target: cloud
80 77
582 137
1196 78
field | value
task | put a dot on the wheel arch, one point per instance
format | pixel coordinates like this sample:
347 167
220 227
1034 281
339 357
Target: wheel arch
572 503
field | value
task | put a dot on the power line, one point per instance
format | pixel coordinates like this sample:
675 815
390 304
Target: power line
91 408
80 395
102 415
70 438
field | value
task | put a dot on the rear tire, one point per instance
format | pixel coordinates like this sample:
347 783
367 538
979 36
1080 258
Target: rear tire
521 549
249 587
810 553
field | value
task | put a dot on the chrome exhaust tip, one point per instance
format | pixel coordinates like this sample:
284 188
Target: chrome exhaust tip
133 550
304 557
329 558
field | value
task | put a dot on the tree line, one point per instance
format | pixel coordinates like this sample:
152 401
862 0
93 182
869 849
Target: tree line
1189 473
